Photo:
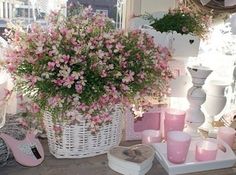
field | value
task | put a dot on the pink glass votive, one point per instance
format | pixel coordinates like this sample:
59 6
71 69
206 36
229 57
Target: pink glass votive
174 120
151 136
178 144
226 134
206 150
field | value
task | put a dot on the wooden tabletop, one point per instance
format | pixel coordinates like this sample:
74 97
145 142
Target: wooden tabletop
97 165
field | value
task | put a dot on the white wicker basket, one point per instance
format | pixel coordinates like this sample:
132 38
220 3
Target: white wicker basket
78 142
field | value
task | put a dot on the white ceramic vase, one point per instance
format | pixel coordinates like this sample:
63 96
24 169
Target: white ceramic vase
216 102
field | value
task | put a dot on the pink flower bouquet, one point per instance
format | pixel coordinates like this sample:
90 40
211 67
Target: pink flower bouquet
80 66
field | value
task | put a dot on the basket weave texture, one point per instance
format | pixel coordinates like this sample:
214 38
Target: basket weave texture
77 141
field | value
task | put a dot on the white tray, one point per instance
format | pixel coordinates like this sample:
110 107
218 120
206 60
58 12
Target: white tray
223 160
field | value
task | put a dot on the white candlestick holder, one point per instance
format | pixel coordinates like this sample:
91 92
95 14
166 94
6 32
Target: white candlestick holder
196 97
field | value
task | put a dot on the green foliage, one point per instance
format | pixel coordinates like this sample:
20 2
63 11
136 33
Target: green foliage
182 20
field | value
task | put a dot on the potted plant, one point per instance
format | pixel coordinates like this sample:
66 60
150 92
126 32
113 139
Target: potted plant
77 72
182 28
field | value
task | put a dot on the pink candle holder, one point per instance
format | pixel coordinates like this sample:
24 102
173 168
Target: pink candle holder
151 136
206 150
178 144
174 120
226 134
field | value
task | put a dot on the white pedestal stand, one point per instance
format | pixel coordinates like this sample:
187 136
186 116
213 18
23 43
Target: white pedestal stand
196 97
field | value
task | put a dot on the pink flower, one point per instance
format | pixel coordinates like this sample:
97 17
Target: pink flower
11 67
54 101
100 54
164 52
163 64
124 87
58 82
78 88
141 75
35 108
119 46
66 58
104 73
129 77
64 31
124 64
89 29
51 65
69 81
31 79
57 128
73 41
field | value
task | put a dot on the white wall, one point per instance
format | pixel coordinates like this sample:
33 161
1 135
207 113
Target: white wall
151 6
139 7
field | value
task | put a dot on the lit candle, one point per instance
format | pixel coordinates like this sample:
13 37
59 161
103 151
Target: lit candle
206 150
174 120
151 136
